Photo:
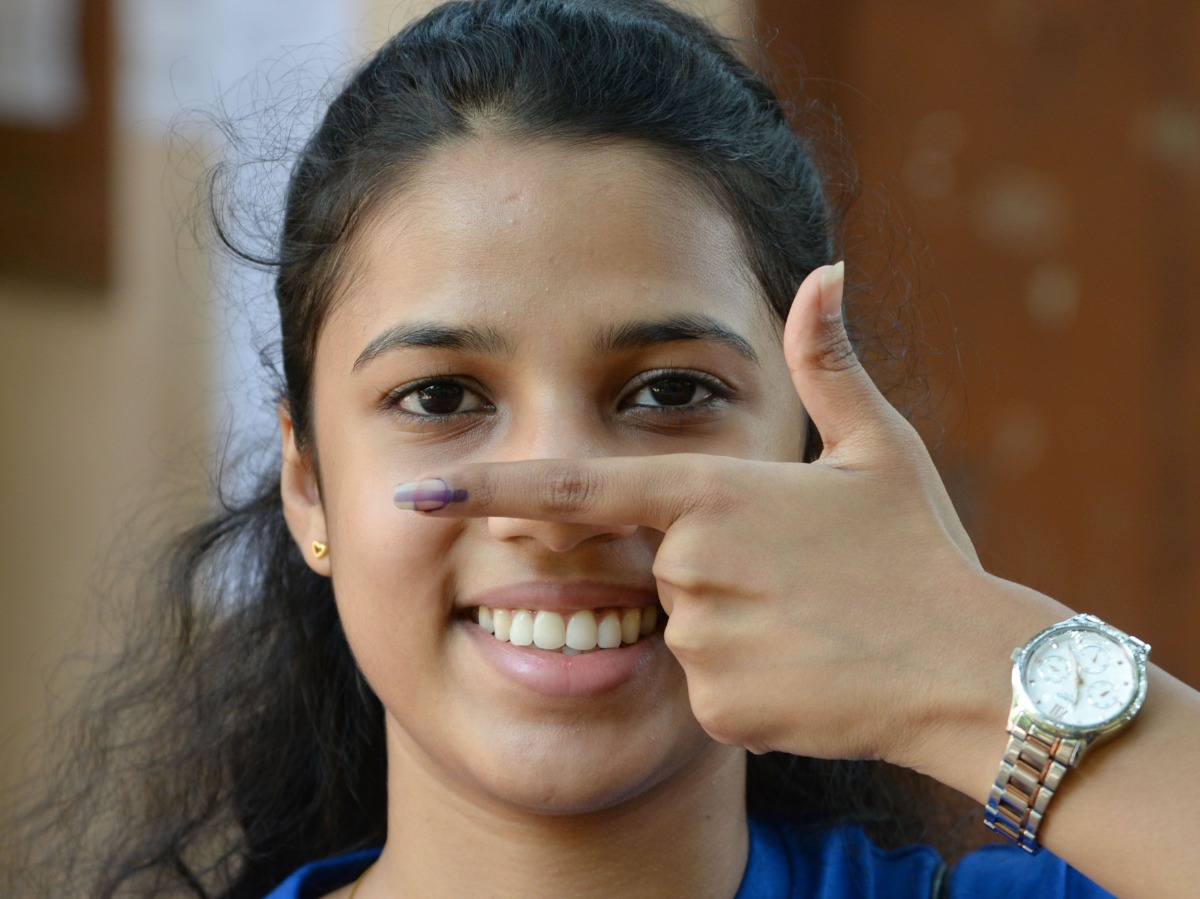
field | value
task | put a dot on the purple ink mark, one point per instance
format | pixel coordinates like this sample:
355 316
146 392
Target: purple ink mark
427 495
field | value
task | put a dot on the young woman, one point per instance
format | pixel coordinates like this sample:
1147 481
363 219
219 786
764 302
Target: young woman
561 327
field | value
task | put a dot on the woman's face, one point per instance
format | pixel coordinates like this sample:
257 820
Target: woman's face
502 307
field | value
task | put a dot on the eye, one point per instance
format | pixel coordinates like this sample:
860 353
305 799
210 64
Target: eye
440 398
671 392
668 392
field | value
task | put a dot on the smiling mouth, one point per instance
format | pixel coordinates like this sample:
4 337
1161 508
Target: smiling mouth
575 633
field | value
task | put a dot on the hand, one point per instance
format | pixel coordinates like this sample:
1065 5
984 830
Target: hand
833 609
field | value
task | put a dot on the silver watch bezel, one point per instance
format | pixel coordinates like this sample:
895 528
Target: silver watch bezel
1023 703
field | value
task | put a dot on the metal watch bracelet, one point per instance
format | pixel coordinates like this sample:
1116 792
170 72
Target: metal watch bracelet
1033 766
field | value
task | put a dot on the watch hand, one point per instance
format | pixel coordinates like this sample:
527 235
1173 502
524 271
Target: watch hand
1074 671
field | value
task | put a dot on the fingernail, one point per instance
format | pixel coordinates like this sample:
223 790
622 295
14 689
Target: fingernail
426 495
832 281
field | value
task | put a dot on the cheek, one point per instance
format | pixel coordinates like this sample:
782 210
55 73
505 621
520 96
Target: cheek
390 566
775 428
791 433
778 434
376 542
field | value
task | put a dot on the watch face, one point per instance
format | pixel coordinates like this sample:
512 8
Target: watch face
1080 677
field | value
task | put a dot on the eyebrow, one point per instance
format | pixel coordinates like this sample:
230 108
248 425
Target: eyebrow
471 338
688 326
614 339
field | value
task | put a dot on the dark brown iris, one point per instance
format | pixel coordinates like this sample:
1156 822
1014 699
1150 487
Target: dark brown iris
673 391
440 399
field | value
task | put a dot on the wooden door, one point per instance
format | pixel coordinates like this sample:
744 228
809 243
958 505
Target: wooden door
1046 157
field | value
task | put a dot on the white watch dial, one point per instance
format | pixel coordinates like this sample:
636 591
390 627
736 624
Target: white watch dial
1080 677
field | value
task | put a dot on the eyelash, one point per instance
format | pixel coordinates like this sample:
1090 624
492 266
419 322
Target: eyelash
720 394
393 400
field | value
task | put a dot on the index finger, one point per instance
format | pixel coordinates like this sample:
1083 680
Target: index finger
651 491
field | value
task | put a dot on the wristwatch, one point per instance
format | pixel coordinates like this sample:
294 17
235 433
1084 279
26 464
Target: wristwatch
1075 684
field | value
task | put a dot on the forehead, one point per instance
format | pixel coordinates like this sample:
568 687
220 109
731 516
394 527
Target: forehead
506 231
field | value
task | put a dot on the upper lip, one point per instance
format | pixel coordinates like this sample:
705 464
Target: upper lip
565 597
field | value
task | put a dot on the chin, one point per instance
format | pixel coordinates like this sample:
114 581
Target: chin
561 768
565 778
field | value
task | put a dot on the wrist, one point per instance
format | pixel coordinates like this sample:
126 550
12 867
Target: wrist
959 734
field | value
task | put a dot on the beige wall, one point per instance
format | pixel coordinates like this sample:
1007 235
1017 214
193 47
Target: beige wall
101 390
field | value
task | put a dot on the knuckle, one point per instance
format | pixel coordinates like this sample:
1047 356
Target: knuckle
678 572
834 353
568 488
485 489
709 494
714 717
703 708
706 467
680 639
915 451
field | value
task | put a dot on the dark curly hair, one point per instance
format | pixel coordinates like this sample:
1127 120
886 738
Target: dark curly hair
235 739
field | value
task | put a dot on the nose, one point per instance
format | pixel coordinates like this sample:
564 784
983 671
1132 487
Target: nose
556 536
555 438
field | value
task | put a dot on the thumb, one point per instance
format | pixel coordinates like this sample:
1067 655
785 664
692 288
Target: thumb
839 395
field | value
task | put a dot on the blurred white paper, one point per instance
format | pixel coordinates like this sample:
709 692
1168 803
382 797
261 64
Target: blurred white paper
187 54
238 60
41 80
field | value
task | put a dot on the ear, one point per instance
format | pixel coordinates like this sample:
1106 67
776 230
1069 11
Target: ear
302 508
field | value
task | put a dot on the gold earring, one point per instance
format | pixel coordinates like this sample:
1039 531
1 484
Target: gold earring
320 550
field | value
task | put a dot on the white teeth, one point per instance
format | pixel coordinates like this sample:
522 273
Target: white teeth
631 622
502 622
581 630
649 619
521 631
549 632
608 630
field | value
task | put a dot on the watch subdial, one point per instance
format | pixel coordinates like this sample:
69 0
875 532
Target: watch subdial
1054 669
1094 658
1102 694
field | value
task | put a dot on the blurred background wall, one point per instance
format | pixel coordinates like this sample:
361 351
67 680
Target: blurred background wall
1042 165
1046 156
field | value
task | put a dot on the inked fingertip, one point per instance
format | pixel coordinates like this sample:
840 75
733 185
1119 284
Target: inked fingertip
425 495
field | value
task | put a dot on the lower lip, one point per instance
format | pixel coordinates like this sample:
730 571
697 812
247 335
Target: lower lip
556 674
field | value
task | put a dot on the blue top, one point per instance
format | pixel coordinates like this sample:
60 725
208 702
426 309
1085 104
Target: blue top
789 863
